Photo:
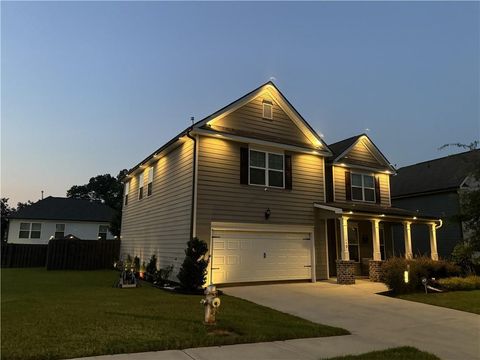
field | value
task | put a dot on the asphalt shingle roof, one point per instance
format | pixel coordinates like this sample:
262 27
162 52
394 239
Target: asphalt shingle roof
340 146
445 173
58 208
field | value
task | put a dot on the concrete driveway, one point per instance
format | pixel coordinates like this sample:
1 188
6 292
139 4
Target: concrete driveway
450 334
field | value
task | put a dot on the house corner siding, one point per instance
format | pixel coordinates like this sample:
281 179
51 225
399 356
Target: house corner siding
160 224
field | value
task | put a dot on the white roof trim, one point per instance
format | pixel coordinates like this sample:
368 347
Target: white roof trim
282 102
214 134
329 208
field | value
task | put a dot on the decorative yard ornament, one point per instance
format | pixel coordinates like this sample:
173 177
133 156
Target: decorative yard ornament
211 304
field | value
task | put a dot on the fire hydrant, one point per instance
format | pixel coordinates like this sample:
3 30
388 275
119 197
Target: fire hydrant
211 304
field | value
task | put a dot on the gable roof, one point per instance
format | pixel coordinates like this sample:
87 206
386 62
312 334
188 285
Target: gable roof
442 174
286 106
231 107
341 148
58 208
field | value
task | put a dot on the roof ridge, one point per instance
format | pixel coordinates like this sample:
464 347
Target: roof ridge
440 158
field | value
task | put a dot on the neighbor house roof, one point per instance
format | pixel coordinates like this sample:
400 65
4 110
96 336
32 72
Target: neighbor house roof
443 174
58 208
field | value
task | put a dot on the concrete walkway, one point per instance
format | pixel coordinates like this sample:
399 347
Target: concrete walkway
376 322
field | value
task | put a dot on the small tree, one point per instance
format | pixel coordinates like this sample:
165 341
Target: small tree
192 274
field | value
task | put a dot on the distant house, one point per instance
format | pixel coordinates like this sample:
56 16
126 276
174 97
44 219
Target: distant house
56 217
434 187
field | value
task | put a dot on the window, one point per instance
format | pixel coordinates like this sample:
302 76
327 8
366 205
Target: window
102 232
150 181
382 242
363 187
353 242
59 231
140 186
266 169
267 110
30 230
127 189
24 231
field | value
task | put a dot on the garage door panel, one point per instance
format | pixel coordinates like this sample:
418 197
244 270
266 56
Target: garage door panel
245 256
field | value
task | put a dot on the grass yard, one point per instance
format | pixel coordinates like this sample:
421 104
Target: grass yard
460 300
400 353
66 314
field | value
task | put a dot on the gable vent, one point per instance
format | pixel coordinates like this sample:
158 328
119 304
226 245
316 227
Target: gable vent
267 110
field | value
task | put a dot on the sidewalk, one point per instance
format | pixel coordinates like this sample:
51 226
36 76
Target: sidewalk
298 349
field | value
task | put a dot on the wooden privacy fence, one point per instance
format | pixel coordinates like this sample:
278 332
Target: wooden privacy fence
64 254
23 255
82 254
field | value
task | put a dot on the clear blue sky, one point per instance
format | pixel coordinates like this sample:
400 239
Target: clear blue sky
90 88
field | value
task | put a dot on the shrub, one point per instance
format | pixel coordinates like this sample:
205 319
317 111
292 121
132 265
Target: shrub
162 276
192 274
466 256
459 283
393 272
151 268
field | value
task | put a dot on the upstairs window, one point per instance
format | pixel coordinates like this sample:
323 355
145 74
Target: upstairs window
127 189
266 169
30 230
102 232
363 187
59 231
150 181
267 110
140 186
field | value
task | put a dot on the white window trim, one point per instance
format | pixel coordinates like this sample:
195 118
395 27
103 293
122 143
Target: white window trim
106 232
266 168
355 225
64 228
127 190
363 187
271 109
141 183
150 179
30 230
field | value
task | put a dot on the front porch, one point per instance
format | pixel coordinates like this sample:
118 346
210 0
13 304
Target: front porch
359 237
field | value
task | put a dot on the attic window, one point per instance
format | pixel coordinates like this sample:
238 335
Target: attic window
267 110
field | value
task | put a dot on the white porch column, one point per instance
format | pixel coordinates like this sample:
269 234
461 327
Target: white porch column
344 238
407 235
377 255
433 241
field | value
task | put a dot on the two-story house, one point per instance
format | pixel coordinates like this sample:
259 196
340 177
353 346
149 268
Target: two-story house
270 198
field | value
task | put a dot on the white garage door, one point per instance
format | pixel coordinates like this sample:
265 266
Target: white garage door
246 256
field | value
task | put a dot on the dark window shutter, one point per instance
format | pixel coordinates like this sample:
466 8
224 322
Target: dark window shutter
244 165
288 172
329 182
348 186
378 196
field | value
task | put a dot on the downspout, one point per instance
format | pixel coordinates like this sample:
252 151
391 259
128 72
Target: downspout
194 177
439 225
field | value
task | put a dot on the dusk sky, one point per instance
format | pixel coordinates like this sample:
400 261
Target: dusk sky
92 88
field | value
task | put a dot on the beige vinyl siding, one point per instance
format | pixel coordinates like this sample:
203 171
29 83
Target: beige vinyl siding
221 197
160 224
249 118
361 155
339 185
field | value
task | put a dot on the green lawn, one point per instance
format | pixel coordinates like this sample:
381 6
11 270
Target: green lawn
460 300
65 314
400 353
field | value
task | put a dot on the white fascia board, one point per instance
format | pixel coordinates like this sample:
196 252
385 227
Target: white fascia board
243 139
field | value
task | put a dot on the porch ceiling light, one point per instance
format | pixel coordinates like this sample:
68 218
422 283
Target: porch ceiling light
414 218
350 212
383 215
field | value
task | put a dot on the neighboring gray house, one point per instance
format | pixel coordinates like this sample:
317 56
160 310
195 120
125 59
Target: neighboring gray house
55 217
434 187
